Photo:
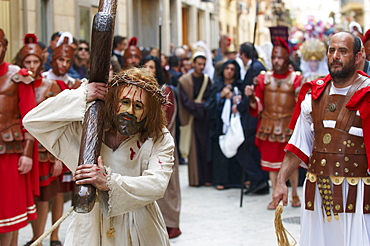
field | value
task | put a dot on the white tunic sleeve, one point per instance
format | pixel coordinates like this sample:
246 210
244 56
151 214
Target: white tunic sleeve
57 124
302 137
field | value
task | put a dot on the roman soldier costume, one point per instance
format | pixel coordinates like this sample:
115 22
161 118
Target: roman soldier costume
342 160
16 99
279 102
132 51
63 49
275 94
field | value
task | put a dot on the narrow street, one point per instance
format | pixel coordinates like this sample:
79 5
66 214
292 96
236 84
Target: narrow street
212 217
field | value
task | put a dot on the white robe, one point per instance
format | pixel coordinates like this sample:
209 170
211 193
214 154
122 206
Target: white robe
352 228
138 175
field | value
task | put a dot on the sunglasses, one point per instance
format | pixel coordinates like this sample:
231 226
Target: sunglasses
80 48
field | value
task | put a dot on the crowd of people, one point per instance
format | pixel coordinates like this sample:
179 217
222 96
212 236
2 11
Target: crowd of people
162 111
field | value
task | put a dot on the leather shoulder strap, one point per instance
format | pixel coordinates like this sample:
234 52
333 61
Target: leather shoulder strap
346 116
318 109
202 89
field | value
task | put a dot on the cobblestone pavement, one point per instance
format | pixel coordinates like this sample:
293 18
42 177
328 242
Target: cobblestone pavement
212 217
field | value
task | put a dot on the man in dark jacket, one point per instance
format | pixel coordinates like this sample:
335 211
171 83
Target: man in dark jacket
258 178
252 65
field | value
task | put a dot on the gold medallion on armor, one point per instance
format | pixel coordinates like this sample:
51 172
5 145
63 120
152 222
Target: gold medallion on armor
332 107
327 138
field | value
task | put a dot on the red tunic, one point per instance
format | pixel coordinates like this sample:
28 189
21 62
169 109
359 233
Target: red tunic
170 108
272 153
45 166
17 205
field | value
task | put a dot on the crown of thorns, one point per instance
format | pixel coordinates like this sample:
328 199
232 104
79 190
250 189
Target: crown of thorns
149 86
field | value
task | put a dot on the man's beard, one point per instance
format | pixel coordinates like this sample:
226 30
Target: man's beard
126 124
277 68
280 68
346 72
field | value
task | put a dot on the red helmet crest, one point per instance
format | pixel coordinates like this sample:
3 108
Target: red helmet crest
282 43
31 47
366 37
133 41
30 38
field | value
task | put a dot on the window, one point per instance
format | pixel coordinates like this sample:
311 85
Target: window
84 23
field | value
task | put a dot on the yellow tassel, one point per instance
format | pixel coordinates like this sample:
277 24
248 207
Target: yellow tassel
111 231
281 232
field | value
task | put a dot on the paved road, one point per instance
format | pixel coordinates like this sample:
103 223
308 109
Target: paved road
212 217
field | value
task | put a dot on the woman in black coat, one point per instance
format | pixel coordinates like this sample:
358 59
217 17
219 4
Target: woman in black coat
227 172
